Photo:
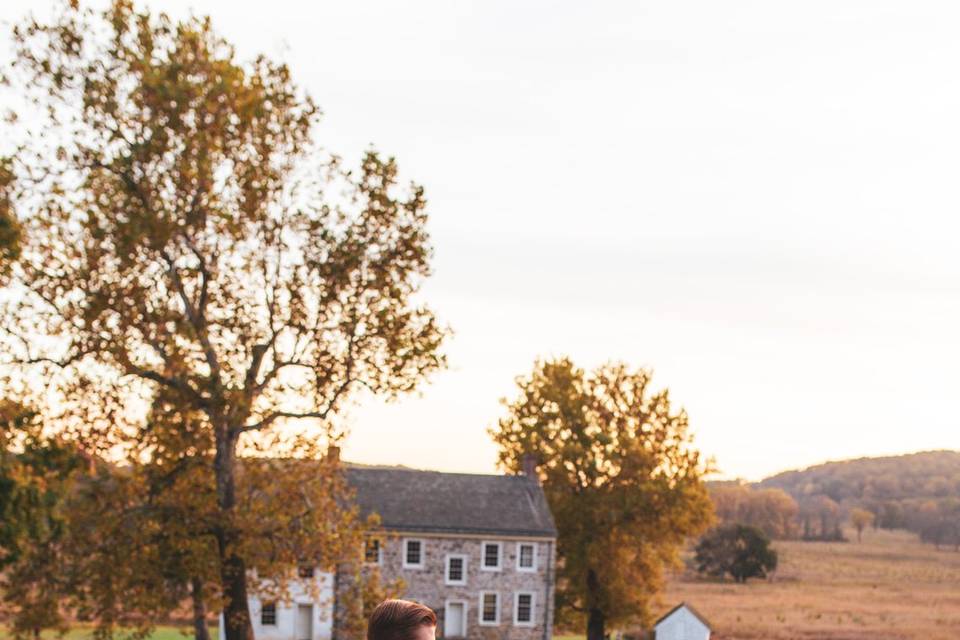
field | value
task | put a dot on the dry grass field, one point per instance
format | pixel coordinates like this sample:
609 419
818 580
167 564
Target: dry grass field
889 587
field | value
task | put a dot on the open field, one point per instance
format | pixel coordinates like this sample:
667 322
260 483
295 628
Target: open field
160 633
889 587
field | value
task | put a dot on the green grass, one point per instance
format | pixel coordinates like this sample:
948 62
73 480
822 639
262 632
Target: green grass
84 632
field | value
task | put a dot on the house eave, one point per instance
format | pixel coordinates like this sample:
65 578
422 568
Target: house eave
457 532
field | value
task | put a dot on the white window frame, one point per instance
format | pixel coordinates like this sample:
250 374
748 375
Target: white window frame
483 556
446 569
533 609
536 548
480 607
423 553
379 559
466 613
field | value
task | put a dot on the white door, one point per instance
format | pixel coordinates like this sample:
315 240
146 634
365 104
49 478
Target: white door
304 625
454 620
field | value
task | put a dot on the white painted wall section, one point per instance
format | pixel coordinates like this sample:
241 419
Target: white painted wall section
291 623
682 624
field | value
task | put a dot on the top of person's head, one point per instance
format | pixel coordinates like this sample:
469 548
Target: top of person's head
399 620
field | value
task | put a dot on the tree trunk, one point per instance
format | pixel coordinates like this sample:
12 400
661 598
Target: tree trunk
236 613
595 620
200 630
233 570
596 625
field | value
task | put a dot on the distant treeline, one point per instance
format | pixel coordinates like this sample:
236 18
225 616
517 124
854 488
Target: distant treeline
919 492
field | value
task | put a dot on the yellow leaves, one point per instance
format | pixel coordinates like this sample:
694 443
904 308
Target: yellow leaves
622 481
195 258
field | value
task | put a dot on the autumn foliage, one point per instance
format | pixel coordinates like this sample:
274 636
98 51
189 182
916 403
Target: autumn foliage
200 286
622 478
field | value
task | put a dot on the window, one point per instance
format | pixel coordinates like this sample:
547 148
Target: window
523 606
456 569
268 614
305 572
526 556
492 551
413 554
371 551
489 608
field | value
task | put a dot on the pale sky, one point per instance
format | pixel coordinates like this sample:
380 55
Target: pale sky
758 200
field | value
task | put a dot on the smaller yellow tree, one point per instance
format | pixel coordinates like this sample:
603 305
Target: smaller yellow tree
861 519
621 477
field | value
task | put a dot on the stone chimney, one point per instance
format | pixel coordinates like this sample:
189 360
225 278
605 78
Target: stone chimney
528 467
333 453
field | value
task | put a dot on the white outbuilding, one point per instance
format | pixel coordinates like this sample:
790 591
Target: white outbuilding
307 614
683 622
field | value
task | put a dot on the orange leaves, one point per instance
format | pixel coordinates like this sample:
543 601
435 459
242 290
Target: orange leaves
622 478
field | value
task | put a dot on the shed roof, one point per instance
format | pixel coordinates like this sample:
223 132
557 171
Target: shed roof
432 501
684 605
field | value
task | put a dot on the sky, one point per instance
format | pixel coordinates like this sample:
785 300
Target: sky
757 200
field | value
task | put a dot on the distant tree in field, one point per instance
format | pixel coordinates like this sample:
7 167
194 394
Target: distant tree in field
771 510
892 515
861 519
622 478
739 550
939 523
183 235
821 518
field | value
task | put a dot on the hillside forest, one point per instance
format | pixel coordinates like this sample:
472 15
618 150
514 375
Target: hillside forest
918 492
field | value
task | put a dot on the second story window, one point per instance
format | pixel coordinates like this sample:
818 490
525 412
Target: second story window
268 614
526 556
371 551
413 554
456 569
491 552
305 571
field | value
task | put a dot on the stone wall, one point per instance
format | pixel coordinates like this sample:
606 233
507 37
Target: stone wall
428 584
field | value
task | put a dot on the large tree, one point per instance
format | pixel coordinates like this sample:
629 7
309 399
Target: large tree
184 235
622 479
737 549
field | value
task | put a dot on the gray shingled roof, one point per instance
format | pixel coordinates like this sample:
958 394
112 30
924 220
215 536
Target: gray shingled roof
431 501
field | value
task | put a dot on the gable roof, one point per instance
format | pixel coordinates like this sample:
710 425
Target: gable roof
436 502
684 605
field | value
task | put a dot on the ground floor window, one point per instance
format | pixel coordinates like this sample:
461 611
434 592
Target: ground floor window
268 614
489 608
523 608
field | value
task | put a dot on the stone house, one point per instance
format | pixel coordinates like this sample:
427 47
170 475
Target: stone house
477 549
